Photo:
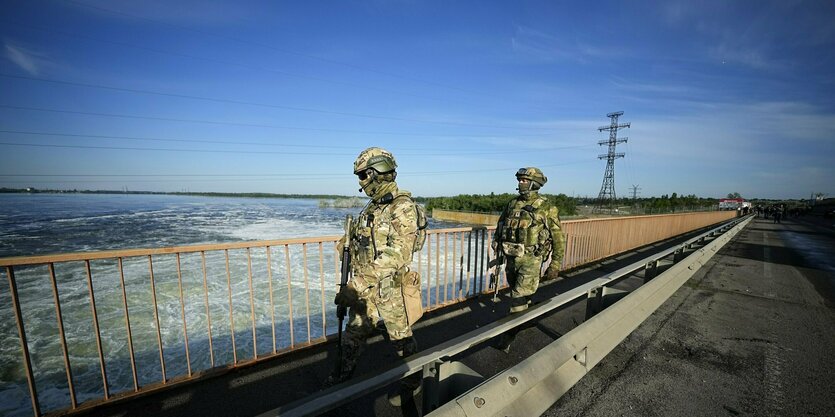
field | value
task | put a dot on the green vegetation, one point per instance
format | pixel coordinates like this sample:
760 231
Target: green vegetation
493 203
480 203
569 206
667 203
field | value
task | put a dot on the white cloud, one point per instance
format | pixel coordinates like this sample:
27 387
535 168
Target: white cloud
765 149
736 51
543 46
733 33
547 47
27 60
656 88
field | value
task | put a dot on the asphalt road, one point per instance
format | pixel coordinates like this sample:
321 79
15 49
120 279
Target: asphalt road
752 333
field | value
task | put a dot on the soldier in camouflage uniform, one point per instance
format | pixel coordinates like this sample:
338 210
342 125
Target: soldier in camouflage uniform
381 244
528 232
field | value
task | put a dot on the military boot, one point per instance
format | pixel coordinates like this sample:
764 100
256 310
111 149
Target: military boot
517 305
345 365
411 385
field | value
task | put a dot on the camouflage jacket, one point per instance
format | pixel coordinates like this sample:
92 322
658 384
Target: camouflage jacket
383 236
535 223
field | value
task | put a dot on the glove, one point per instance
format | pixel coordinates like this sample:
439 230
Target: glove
347 297
552 273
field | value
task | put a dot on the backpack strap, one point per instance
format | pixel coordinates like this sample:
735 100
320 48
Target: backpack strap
417 210
531 208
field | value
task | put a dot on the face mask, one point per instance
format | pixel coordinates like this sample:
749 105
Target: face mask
524 188
366 180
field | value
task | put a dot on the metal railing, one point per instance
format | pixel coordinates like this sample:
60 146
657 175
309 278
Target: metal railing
165 315
523 388
534 385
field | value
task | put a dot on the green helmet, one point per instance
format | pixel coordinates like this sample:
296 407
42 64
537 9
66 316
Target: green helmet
377 159
532 174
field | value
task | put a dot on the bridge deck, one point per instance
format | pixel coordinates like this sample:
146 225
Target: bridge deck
751 333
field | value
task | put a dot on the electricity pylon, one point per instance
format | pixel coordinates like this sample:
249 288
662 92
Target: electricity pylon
607 194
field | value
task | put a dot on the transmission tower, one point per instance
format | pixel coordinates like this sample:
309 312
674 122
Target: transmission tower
607 194
635 190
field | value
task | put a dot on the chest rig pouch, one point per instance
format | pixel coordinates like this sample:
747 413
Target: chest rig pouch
369 235
363 240
524 231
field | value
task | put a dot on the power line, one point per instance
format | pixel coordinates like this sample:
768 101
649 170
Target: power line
284 51
143 138
630 170
230 142
257 104
127 148
286 176
241 65
213 122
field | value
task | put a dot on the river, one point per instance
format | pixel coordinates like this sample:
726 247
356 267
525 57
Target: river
35 224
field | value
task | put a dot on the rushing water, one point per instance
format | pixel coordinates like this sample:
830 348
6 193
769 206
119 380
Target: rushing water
58 223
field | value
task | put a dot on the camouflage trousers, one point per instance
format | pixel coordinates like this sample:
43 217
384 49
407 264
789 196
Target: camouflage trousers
523 274
384 301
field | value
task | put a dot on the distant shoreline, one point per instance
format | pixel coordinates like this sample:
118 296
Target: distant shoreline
194 194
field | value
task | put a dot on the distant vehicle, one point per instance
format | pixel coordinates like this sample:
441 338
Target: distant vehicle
733 204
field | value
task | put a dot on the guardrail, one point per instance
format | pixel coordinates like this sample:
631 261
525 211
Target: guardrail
535 384
137 320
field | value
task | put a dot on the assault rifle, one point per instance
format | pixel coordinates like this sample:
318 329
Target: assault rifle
345 269
496 275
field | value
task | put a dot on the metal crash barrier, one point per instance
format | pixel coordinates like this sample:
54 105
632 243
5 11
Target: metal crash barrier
529 388
126 322
532 386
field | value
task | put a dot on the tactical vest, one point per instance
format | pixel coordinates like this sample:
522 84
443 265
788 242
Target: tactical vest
526 225
370 234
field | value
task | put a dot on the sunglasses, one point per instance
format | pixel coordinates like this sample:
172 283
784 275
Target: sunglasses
363 175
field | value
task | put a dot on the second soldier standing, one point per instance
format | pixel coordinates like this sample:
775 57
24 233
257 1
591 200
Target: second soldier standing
382 241
527 233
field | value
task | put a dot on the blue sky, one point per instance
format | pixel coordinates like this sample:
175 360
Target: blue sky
280 97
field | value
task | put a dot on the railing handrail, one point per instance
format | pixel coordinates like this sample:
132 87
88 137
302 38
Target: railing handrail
587 344
338 395
171 250
453 265
468 211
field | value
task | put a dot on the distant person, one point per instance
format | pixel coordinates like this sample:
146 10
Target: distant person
527 233
382 241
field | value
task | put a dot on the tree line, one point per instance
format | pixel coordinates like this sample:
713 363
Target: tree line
493 203
667 203
480 203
